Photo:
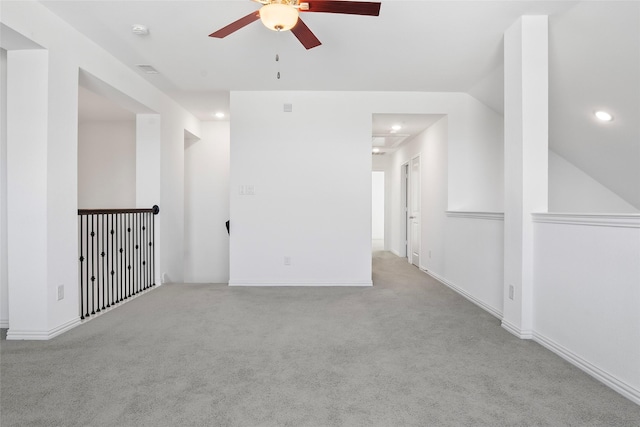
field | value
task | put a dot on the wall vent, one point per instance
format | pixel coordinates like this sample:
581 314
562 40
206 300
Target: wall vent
148 69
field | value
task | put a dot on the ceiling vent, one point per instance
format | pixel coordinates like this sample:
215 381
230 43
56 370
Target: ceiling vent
388 141
379 153
148 69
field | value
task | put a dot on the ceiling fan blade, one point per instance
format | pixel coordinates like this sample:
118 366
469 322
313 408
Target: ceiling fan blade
304 34
337 6
236 25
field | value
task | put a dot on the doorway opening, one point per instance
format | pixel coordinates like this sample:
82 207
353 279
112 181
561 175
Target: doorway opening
377 210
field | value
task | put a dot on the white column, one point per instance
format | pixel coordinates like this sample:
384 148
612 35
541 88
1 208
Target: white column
4 282
526 162
147 160
148 147
27 124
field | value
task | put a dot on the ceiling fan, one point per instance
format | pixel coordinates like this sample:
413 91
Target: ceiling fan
282 15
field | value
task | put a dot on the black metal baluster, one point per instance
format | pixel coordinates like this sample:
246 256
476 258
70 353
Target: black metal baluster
149 237
145 251
93 274
135 253
111 256
138 251
153 249
115 259
142 257
81 268
86 236
132 255
107 256
124 245
98 259
129 252
101 259
136 282
108 276
121 227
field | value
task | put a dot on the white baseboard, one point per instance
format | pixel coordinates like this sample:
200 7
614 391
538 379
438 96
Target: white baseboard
262 283
630 392
42 335
4 323
13 334
465 294
396 253
524 334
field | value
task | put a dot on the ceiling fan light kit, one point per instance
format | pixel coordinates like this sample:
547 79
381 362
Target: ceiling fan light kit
279 16
283 15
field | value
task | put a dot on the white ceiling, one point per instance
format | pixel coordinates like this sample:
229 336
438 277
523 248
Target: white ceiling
388 140
412 46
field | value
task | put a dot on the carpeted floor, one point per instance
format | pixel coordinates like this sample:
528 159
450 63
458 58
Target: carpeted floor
406 352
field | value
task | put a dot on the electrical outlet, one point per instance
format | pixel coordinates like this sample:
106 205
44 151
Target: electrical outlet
511 292
287 260
60 292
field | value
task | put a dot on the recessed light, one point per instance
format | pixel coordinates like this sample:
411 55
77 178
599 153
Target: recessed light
396 127
375 150
219 115
604 116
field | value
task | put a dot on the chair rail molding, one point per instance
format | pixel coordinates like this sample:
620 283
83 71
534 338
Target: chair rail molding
495 216
595 219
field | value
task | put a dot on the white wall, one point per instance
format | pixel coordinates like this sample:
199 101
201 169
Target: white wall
311 171
464 251
68 52
107 164
4 282
306 211
476 159
377 205
587 294
572 190
206 253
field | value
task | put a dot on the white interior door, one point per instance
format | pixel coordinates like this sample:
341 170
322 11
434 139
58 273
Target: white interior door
414 212
404 225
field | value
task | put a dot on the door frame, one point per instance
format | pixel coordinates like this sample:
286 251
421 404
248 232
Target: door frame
418 183
404 209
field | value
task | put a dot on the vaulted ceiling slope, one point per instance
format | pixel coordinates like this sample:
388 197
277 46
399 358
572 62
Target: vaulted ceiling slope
594 64
412 46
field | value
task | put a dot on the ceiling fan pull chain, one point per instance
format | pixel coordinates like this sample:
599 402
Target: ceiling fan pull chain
277 55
